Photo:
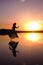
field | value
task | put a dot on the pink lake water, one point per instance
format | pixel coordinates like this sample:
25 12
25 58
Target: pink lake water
29 50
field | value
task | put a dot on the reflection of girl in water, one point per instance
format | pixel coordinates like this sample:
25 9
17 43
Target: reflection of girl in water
14 26
12 47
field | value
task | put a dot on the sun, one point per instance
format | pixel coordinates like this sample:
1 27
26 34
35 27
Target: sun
31 26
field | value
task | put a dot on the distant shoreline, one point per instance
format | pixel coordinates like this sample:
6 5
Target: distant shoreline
29 31
10 31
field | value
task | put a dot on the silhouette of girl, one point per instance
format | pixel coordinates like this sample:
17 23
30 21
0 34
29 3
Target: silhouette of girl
13 33
14 26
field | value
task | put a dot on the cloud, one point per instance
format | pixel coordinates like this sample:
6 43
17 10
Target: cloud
22 0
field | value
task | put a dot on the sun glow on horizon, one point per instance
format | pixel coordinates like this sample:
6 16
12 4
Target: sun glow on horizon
32 26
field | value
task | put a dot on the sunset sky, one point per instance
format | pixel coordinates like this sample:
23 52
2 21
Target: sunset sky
22 12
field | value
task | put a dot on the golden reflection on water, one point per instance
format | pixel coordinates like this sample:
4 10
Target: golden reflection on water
32 36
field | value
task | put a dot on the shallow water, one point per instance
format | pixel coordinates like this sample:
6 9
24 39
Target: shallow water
29 50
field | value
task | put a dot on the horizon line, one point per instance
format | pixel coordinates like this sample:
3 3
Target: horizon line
29 31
